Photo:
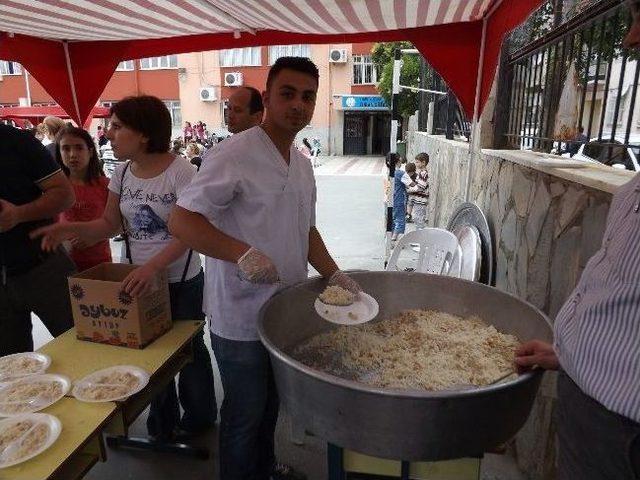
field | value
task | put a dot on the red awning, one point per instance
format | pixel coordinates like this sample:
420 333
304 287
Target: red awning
72 47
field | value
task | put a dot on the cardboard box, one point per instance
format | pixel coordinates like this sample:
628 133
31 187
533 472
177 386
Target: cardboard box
104 313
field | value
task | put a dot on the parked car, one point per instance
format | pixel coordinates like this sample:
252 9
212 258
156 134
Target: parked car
612 153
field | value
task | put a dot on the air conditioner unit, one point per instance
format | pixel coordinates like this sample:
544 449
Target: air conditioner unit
208 94
338 55
233 79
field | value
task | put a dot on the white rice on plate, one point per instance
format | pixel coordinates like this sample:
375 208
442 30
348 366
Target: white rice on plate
335 295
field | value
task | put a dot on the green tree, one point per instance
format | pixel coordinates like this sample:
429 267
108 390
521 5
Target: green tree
383 55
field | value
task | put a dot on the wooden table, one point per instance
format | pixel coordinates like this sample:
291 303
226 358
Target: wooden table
78 447
80 444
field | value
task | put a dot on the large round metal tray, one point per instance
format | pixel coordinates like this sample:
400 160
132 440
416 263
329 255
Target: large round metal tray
402 424
469 214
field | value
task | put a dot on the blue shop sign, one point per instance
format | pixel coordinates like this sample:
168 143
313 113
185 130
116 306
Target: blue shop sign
373 102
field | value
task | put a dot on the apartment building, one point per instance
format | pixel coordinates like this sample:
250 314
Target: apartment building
350 117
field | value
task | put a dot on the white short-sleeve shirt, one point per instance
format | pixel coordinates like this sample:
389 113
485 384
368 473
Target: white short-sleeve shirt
246 190
145 205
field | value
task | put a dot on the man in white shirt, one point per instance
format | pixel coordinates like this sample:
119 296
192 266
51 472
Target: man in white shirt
251 210
245 109
597 346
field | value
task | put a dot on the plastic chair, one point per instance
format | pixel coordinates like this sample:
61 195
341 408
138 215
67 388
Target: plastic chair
436 250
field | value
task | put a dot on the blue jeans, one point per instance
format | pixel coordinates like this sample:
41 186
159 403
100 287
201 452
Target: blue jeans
197 395
249 410
399 217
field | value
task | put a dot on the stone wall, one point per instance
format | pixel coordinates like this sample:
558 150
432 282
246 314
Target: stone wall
545 229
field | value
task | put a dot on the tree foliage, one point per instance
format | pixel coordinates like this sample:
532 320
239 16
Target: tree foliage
383 56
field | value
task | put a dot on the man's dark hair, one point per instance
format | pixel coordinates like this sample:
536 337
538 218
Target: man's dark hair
148 115
255 102
297 64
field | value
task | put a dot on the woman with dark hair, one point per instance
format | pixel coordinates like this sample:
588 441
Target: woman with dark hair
142 193
76 153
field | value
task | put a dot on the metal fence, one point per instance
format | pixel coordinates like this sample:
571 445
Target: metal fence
573 91
448 118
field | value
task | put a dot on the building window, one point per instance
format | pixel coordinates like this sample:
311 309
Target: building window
125 66
155 63
364 71
241 57
174 110
277 51
598 71
10 68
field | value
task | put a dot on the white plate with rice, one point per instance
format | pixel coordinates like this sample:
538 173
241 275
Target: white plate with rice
25 436
23 364
32 393
111 384
363 309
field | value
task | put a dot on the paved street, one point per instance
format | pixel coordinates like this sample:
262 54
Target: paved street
350 166
350 216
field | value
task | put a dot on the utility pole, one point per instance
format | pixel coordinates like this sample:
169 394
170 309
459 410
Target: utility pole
395 101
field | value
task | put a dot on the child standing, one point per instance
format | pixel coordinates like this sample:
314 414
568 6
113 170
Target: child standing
401 180
411 197
76 153
419 193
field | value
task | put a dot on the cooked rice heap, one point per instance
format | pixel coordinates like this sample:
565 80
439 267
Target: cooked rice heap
21 365
417 349
334 295
16 397
116 384
32 437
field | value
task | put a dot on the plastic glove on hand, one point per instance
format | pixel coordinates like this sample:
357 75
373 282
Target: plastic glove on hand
341 279
256 267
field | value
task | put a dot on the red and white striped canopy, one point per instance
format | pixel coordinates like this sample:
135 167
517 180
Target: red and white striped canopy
131 20
72 47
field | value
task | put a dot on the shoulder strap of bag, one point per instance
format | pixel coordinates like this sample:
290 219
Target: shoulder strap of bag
190 254
125 233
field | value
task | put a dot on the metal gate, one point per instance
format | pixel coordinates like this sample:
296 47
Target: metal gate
355 134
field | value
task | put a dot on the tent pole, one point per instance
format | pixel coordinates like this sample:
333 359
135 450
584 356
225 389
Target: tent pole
393 148
72 83
474 144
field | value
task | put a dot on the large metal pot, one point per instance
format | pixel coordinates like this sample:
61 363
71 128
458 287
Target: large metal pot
402 424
